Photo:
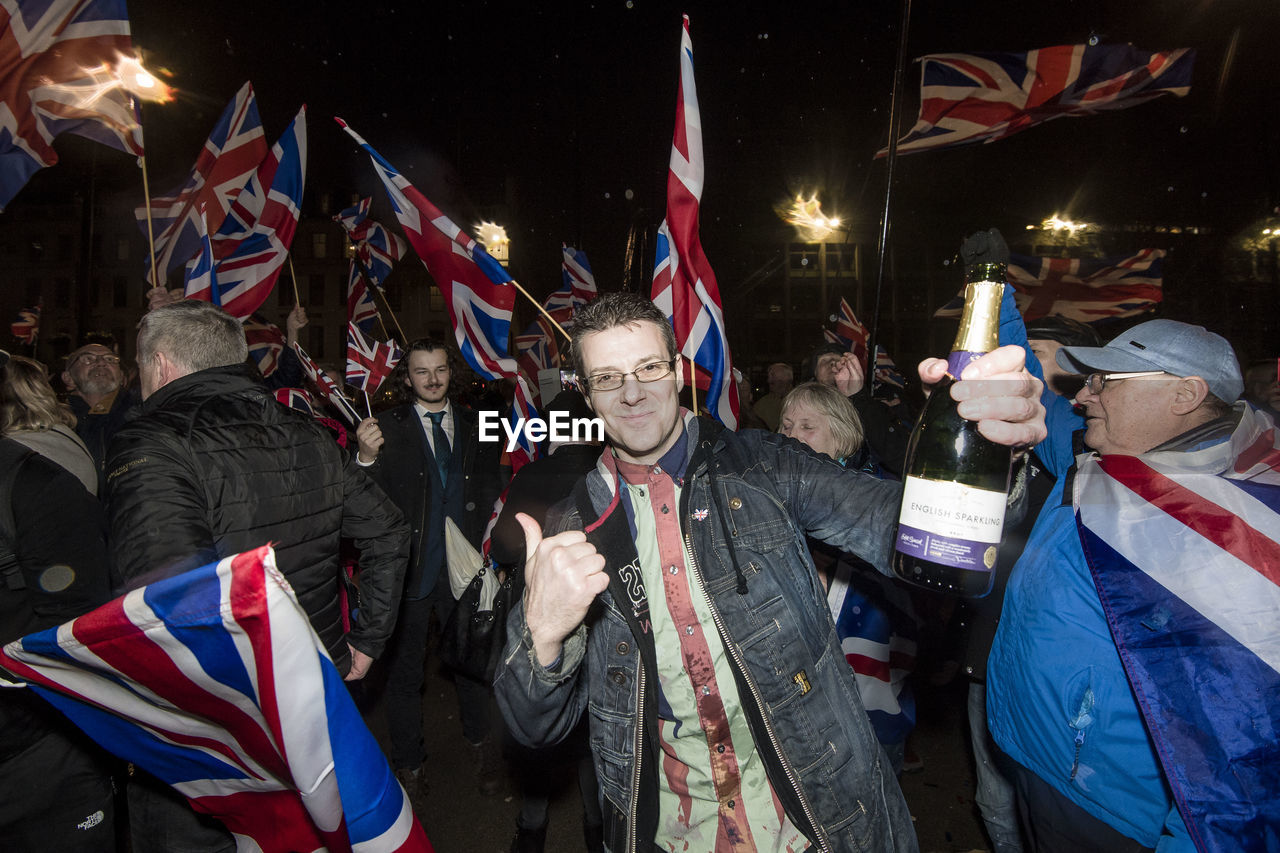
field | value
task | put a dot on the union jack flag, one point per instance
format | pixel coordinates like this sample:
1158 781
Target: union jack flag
537 351
249 262
853 336
296 398
1084 289
1184 548
27 327
215 682
369 363
49 53
578 288
982 97
229 158
328 389
475 287
377 249
361 309
201 278
684 287
266 343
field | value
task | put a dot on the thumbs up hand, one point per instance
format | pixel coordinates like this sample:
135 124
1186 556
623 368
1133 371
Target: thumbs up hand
563 575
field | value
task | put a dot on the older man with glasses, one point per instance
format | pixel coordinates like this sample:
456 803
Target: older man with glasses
1132 680
673 603
99 399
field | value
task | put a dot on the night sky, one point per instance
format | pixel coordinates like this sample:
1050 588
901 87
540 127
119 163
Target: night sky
563 112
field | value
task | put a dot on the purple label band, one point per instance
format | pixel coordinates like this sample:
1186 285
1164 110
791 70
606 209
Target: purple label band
959 360
959 553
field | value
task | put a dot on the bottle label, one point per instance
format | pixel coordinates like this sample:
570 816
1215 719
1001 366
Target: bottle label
950 523
959 360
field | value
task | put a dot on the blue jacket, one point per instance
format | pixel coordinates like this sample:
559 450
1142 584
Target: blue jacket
761 493
1058 700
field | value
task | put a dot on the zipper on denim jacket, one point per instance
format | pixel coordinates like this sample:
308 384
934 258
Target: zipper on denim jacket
822 841
632 819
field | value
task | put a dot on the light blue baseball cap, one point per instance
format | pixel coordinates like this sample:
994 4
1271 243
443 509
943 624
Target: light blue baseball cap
1177 348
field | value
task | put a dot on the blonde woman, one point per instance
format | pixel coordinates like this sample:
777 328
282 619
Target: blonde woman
31 415
873 616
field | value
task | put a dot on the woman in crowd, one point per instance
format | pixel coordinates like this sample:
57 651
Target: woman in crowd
31 415
874 618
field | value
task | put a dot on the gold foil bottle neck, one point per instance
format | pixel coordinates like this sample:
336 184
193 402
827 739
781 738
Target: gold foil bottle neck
980 323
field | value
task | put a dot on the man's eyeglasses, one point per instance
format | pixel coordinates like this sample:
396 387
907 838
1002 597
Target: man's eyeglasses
1097 381
651 372
96 358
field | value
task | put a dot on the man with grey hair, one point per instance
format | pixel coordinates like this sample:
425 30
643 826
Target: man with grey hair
780 378
214 466
1134 658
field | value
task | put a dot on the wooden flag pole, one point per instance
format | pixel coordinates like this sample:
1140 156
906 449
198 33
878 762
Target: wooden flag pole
151 235
297 300
538 305
693 385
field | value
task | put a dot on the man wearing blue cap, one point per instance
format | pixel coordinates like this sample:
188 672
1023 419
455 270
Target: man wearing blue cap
1133 679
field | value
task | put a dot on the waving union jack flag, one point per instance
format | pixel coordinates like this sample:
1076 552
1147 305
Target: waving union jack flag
476 288
230 156
248 262
1084 289
982 97
578 288
684 286
214 681
377 249
369 363
27 327
361 309
266 342
48 54
328 389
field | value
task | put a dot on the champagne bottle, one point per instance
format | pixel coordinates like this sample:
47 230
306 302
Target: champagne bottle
957 481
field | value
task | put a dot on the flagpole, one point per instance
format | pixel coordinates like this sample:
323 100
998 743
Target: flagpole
538 305
693 385
151 234
895 114
297 300
367 405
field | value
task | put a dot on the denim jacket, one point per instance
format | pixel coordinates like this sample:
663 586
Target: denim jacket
747 501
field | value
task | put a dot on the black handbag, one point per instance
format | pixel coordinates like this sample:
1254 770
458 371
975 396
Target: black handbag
473 638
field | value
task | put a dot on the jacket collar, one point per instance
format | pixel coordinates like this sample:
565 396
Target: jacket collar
211 382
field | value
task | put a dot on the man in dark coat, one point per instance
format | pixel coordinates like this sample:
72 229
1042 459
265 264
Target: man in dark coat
427 455
213 466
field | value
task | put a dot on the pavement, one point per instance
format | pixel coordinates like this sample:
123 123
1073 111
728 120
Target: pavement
460 819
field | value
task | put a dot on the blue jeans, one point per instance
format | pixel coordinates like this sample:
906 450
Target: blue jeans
995 795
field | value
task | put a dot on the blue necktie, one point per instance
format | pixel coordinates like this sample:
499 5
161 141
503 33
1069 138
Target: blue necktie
441 445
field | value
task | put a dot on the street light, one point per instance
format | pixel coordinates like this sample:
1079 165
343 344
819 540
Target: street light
495 241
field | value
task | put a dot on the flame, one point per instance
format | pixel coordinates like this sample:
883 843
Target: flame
491 235
806 216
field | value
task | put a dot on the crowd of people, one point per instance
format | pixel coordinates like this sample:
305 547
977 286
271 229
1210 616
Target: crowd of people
705 623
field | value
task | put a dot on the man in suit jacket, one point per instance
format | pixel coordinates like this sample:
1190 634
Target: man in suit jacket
427 456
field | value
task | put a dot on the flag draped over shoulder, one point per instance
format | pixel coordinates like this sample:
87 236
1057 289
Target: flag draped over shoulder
1184 548
477 290
214 681
684 286
57 75
369 363
235 148
1084 289
982 97
27 327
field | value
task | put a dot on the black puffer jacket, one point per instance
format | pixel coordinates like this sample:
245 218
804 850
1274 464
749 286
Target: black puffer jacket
213 466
